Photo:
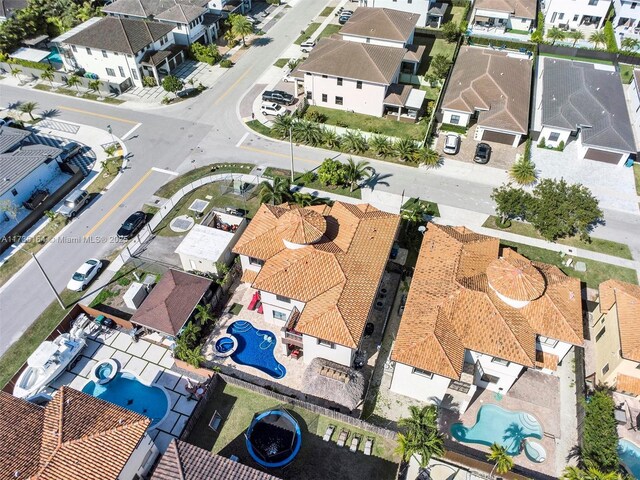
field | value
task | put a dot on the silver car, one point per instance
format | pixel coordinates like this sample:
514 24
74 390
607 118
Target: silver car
451 143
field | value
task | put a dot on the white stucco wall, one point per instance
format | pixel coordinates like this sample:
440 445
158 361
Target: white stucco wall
634 104
560 350
368 100
623 10
338 354
421 7
270 303
409 384
38 178
546 131
572 12
519 23
507 374
376 41
464 117
246 265
140 460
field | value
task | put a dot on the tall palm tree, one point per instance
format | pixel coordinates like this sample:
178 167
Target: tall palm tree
421 438
629 43
281 125
28 108
380 145
15 72
94 85
523 172
590 472
47 76
575 36
355 172
598 38
502 461
74 81
354 141
556 34
427 157
241 26
203 314
277 192
405 148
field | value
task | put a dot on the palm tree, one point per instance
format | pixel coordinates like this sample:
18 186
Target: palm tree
330 138
422 439
598 37
427 157
15 72
94 85
523 171
74 81
307 200
307 132
405 148
556 34
277 192
502 461
413 214
281 125
575 36
193 356
203 314
355 172
629 43
380 145
241 26
353 141
28 107
47 76
590 472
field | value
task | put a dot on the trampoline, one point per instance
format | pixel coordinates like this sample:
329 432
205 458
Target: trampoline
273 438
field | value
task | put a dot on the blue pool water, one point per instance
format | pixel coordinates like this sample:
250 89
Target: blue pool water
255 348
128 392
630 456
54 56
224 345
497 425
104 371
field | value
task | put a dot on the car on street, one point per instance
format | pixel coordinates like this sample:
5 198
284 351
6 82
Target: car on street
278 96
451 143
307 46
70 150
74 203
483 153
84 274
343 19
132 225
270 108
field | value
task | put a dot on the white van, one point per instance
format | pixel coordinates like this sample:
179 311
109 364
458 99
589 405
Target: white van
307 46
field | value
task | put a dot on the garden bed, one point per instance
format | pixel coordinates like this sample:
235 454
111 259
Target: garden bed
316 184
77 94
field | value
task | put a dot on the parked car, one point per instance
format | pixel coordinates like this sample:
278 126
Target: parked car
278 96
483 153
270 108
451 143
395 249
253 20
343 19
132 225
70 150
74 203
84 274
307 46
288 78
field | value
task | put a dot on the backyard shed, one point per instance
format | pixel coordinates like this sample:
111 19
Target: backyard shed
342 387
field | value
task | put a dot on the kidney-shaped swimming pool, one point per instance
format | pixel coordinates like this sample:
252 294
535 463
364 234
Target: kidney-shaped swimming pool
255 348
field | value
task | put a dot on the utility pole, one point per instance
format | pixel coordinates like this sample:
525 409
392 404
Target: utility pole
48 281
109 129
291 149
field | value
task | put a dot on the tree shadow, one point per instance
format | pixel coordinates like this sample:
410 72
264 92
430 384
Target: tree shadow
261 41
378 179
51 113
14 105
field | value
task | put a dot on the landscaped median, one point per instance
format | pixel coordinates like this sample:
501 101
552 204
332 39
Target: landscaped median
78 94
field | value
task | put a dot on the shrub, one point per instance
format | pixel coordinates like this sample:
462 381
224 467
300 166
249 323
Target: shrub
448 127
149 82
542 143
316 116
332 172
600 438
561 146
204 53
226 63
451 32
610 37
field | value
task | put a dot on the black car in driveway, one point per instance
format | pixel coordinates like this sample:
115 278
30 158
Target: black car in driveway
483 153
132 225
278 96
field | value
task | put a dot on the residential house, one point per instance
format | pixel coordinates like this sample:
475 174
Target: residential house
634 98
183 461
431 12
74 436
583 102
227 7
477 315
617 343
191 19
626 21
498 16
209 243
584 15
172 302
8 8
318 270
492 88
121 49
361 70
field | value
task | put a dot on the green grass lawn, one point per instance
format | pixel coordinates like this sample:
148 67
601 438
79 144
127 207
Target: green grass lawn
326 11
597 272
626 73
441 47
169 188
101 182
307 33
281 62
329 30
454 14
432 92
238 406
260 128
636 173
74 93
597 244
316 184
519 32
368 123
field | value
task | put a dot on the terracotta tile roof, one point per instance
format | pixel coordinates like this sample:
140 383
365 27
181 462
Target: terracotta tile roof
519 8
626 297
336 277
183 461
70 435
546 360
248 276
302 226
382 23
495 84
628 384
169 305
452 306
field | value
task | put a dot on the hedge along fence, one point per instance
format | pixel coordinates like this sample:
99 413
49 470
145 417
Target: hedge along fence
499 43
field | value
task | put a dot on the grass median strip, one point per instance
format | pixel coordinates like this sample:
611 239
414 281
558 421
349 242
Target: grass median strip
169 188
306 34
73 93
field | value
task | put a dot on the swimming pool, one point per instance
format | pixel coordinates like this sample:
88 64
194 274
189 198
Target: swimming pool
128 392
255 348
54 56
497 425
629 454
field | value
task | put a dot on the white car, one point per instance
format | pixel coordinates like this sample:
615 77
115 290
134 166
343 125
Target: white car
85 273
270 108
451 143
307 46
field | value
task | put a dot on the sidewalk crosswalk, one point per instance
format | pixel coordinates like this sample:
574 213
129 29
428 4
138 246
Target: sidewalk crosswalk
60 126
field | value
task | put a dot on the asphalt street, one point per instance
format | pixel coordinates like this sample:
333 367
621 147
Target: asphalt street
199 132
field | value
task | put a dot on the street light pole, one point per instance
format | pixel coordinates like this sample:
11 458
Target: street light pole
48 281
291 149
111 133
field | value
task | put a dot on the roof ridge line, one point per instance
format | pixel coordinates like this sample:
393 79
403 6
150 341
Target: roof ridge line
384 10
363 45
124 32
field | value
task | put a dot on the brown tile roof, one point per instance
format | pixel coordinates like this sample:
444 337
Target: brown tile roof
248 276
497 85
354 60
68 436
397 94
628 384
383 23
453 306
337 277
546 360
169 305
302 226
183 461
516 278
518 8
414 53
627 299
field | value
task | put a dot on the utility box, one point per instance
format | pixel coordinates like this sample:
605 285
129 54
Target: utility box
135 295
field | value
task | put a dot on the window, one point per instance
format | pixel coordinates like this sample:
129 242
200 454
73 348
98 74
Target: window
279 315
324 76
575 18
338 100
121 71
359 85
73 47
339 82
634 5
605 369
324 343
135 74
324 97
500 361
255 261
104 54
409 2
554 136
489 378
560 16
88 50
593 2
110 72
547 341
309 95
455 119
14 192
422 373
459 386
283 299
600 333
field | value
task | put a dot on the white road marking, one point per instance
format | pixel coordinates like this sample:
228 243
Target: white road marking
124 137
244 137
162 170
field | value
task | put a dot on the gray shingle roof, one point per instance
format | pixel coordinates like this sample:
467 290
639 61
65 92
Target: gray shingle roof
123 35
579 94
180 13
18 164
157 9
383 23
11 137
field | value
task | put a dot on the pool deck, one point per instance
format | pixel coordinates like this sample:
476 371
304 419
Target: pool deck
632 408
151 363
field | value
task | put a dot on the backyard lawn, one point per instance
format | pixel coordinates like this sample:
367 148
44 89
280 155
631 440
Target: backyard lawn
369 123
307 33
636 173
238 406
329 30
626 73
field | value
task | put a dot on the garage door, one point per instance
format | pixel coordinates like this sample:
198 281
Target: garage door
601 156
498 137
